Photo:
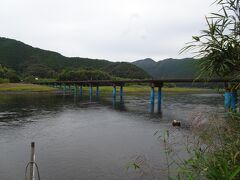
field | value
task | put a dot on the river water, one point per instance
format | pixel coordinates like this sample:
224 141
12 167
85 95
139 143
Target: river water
78 139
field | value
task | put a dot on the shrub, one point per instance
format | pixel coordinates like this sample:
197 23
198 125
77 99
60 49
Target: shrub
3 80
12 76
80 75
170 85
29 79
217 155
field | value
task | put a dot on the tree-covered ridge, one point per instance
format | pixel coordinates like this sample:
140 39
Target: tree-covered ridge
29 61
169 68
125 70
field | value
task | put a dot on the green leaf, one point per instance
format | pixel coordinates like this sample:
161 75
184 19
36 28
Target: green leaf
196 38
235 173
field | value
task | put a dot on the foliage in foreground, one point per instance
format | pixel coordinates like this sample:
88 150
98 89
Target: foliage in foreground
213 152
217 156
217 153
219 45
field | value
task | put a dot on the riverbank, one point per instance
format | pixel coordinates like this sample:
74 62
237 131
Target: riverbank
146 89
22 87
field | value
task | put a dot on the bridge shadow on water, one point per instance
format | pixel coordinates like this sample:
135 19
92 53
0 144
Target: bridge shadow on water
125 104
179 106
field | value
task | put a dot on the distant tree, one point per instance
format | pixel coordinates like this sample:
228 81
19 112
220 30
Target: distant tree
6 73
29 79
80 75
40 70
218 47
3 71
12 76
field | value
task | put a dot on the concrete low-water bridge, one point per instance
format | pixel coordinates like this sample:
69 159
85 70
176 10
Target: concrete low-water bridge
230 97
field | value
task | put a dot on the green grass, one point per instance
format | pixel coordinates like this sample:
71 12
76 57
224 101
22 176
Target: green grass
146 89
21 87
18 87
4 80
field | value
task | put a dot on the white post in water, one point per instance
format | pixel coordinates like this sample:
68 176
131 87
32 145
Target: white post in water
32 162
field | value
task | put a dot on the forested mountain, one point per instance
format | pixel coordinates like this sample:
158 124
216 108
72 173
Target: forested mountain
169 68
125 70
27 60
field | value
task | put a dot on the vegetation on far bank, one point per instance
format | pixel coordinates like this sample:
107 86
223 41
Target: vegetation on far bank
21 87
146 89
5 87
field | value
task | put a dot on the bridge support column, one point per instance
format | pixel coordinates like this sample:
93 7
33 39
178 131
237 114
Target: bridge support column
114 91
75 90
64 89
90 92
121 92
97 91
227 98
230 98
233 96
160 98
152 98
80 91
69 89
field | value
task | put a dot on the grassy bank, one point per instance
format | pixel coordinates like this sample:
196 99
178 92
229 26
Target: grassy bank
12 87
146 89
20 87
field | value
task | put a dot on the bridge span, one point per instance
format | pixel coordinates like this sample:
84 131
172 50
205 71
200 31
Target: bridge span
230 97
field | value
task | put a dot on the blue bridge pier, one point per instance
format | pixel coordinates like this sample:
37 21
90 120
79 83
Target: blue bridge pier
69 89
81 91
90 91
75 90
230 98
114 91
97 91
121 93
152 97
64 89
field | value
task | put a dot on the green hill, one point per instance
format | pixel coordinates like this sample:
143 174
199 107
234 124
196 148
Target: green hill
27 60
125 70
169 68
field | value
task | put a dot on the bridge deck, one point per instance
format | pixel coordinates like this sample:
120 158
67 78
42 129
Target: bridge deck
150 81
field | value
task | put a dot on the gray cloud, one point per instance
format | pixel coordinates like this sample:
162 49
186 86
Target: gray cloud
118 30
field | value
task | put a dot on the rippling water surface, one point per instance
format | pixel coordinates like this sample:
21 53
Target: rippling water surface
78 139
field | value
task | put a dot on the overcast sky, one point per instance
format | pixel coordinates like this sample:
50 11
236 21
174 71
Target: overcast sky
117 30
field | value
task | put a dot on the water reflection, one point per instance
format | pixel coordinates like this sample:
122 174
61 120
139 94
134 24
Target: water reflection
118 104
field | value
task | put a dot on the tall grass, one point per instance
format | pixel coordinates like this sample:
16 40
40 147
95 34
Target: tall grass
215 153
212 152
